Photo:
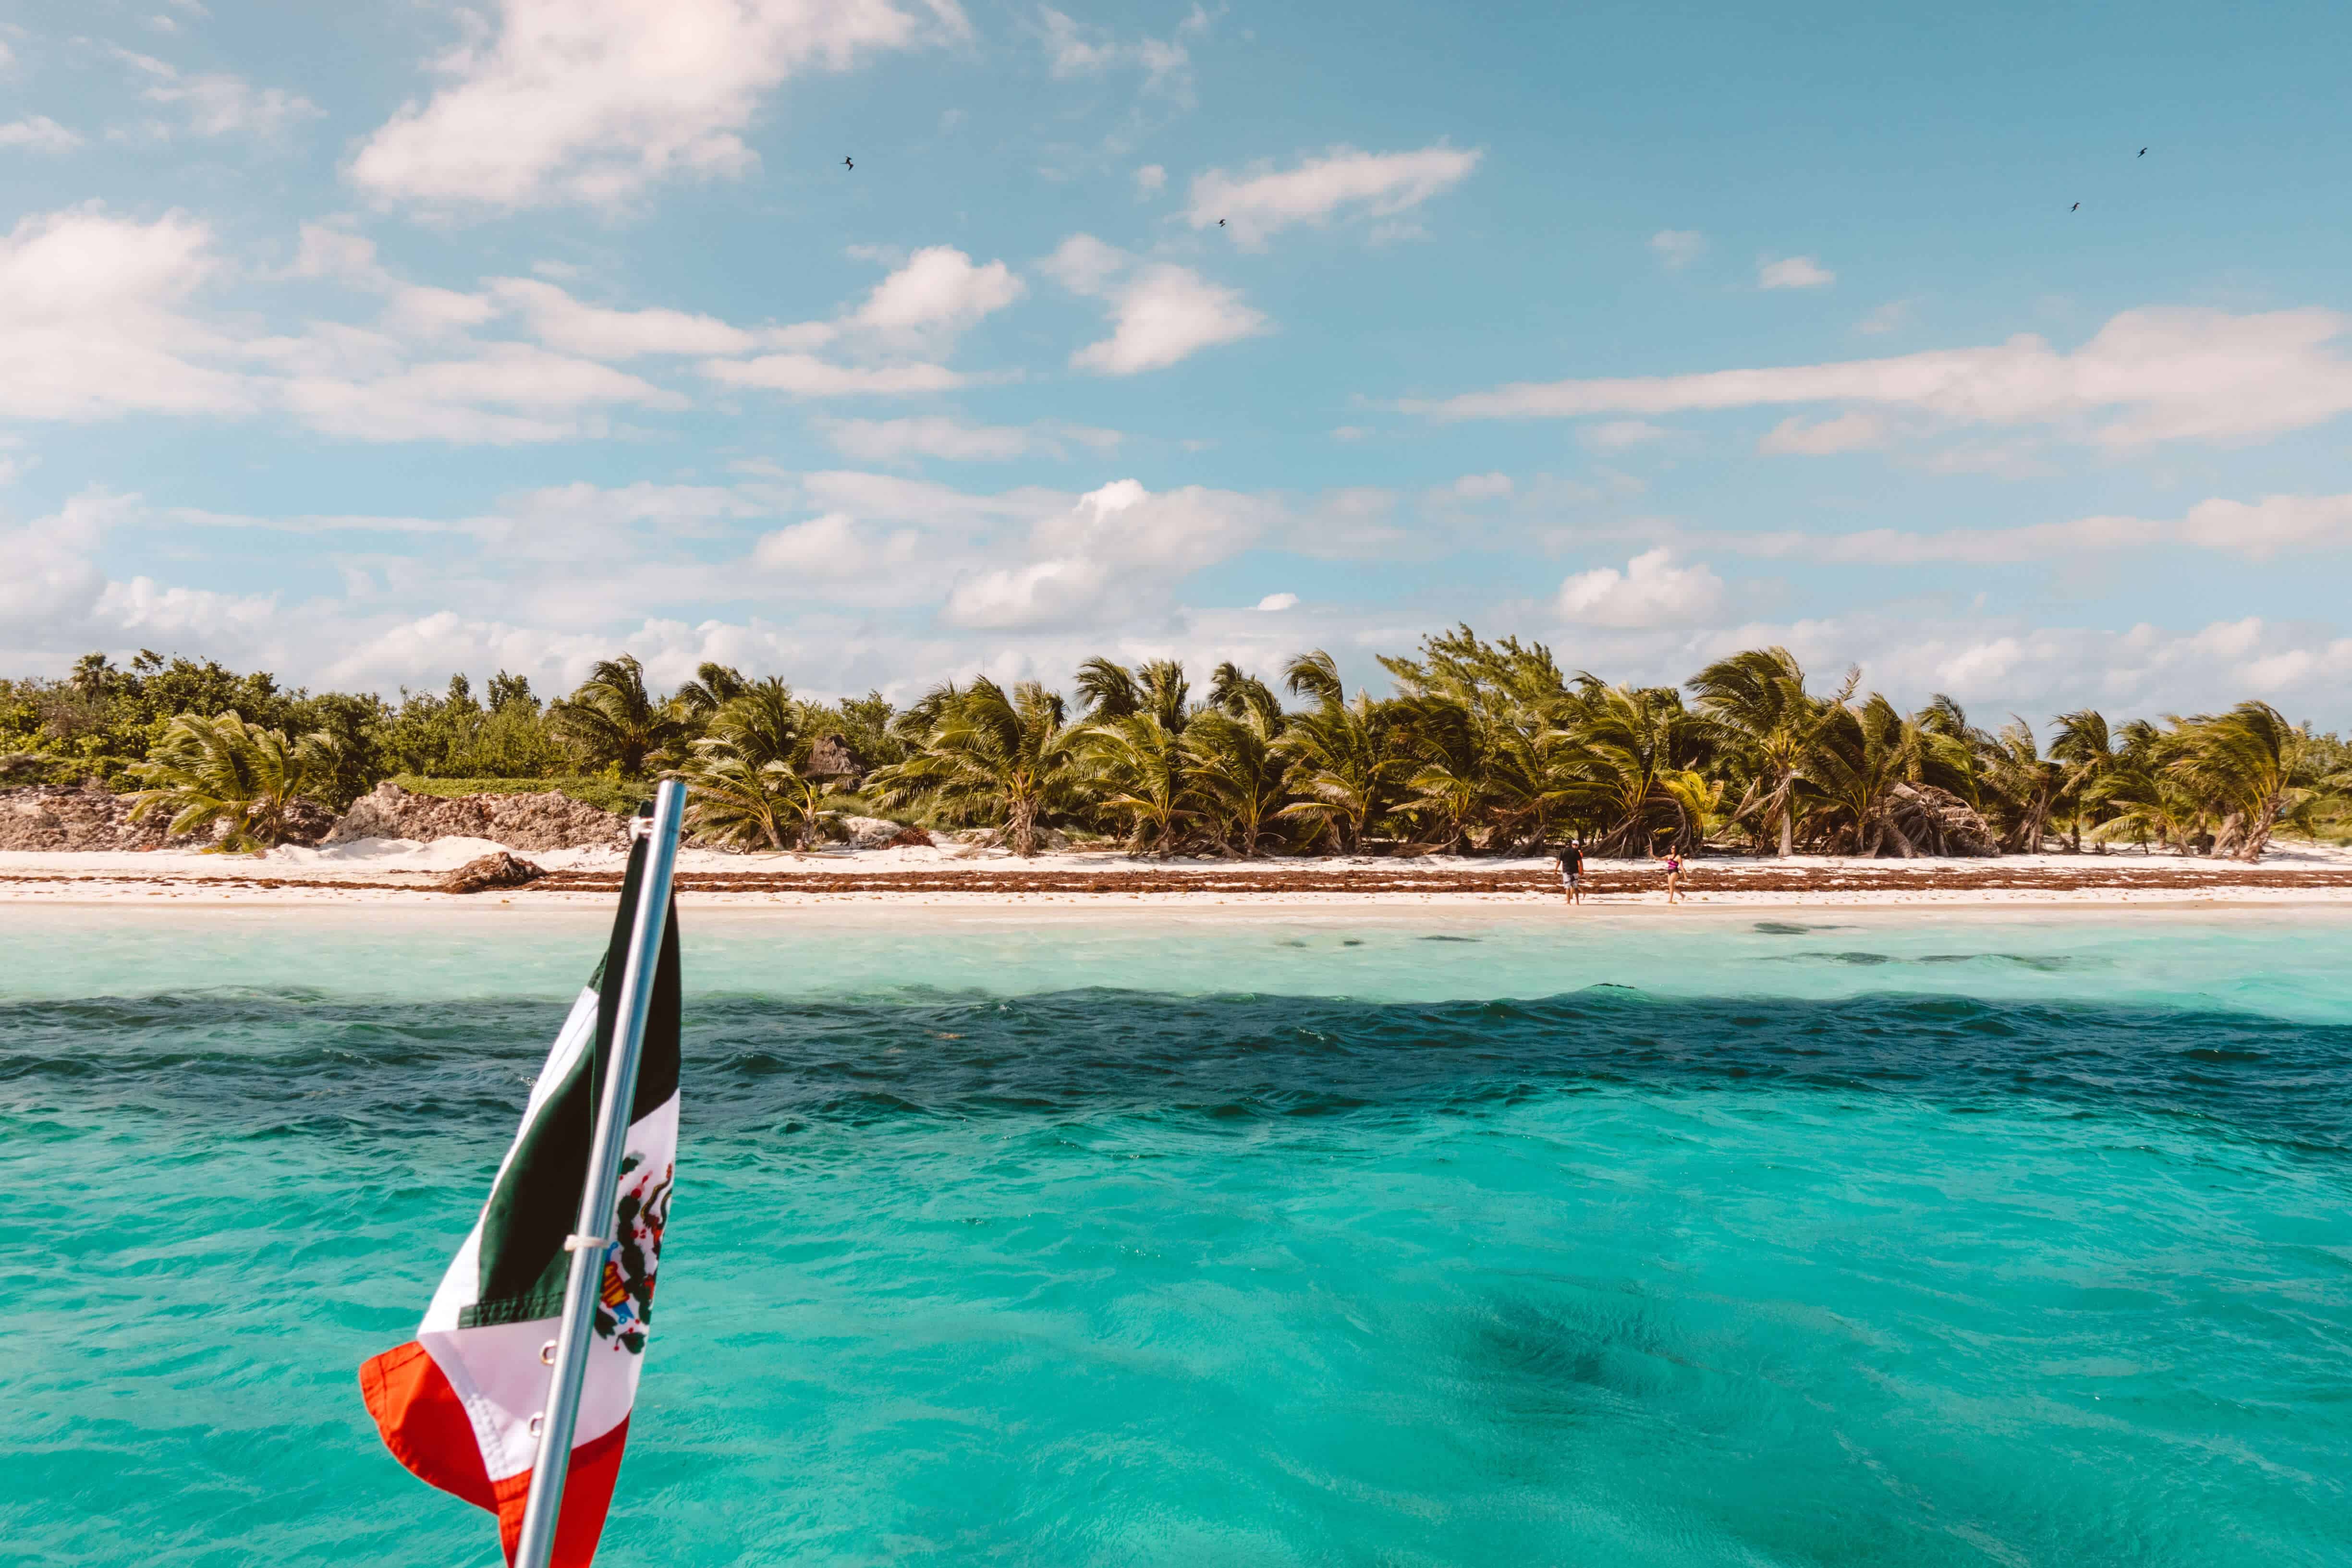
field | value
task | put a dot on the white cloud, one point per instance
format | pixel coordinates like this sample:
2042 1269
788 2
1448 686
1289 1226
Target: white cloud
1115 554
1276 603
2260 530
938 293
93 324
1350 433
1846 433
1616 435
592 101
506 393
1481 487
835 546
1160 313
1651 592
39 134
2263 528
1794 272
806 375
1262 202
2169 374
1149 180
1073 50
560 321
1678 248
937 436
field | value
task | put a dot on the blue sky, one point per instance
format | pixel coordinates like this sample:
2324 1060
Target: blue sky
365 347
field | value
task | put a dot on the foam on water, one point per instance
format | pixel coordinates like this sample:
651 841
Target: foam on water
1163 1240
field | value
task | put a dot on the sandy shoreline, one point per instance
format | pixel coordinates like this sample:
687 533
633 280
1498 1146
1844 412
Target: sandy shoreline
403 873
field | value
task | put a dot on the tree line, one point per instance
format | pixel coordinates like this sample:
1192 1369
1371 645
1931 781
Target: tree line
1484 746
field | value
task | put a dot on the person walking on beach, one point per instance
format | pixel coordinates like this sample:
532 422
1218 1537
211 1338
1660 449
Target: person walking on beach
1674 860
1571 870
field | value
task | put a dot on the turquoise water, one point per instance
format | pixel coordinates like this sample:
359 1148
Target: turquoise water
1144 1239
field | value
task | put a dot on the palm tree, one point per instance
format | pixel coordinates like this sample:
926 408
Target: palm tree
1760 696
2082 744
1237 769
1012 758
1346 762
747 782
1449 775
2025 784
223 770
713 687
1242 697
2246 763
615 720
1630 764
1140 769
1112 691
1858 757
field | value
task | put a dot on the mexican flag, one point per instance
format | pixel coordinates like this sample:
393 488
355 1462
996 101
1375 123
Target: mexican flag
459 1404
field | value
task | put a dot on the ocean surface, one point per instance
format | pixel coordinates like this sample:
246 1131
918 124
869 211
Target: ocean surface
1129 1238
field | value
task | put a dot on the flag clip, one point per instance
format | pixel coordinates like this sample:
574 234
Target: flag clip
585 1243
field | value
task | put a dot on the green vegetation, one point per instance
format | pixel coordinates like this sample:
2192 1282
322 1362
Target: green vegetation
249 780
1485 747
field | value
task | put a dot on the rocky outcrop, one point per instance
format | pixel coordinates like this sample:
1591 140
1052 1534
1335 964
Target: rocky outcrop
488 874
53 818
548 821
72 818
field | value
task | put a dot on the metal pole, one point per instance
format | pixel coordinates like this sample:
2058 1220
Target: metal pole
588 1243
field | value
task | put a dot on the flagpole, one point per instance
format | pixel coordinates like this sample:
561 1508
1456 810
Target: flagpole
589 1243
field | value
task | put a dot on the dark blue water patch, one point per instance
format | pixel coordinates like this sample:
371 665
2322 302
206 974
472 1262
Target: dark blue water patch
252 1063
1790 928
2040 963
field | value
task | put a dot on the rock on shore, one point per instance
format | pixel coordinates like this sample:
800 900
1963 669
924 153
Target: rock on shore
548 821
70 818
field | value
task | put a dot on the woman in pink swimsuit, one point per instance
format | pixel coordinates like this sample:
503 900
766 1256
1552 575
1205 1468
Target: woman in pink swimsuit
1674 874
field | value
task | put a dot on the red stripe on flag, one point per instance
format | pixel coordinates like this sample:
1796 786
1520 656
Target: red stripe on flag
424 1424
587 1497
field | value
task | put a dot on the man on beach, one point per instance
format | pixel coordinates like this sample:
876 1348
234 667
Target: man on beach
1571 870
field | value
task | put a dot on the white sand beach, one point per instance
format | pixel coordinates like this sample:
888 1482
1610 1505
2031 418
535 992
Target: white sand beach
406 872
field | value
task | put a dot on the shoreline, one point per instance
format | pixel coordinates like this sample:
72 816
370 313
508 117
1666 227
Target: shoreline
380 873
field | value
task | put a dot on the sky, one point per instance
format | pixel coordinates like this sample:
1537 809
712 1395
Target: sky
365 344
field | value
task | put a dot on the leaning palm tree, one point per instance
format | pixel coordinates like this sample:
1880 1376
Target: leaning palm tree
1138 766
1011 758
1237 770
2087 751
713 687
2246 763
1857 760
614 719
1628 764
2023 785
1347 761
225 770
1447 784
1112 691
1760 696
748 784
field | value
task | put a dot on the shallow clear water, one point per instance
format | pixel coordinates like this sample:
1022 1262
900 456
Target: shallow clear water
1137 1238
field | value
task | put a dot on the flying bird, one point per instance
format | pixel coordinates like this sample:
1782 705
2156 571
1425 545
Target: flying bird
2075 208
1221 222
850 163
2143 152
